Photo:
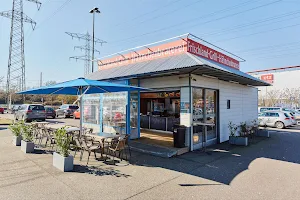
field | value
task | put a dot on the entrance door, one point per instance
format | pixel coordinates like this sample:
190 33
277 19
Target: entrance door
211 111
204 112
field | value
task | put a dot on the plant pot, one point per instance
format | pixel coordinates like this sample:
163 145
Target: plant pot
62 163
17 140
27 147
262 133
240 141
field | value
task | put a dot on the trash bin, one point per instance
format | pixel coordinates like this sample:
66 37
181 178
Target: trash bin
179 135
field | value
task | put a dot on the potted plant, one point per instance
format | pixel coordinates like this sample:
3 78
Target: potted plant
16 129
62 158
27 144
240 139
264 132
232 129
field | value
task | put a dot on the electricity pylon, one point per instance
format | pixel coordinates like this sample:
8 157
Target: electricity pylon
16 60
87 48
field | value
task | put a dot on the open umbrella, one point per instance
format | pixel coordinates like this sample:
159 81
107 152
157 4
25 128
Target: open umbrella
80 87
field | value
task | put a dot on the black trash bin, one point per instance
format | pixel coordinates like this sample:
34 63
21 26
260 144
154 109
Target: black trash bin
179 135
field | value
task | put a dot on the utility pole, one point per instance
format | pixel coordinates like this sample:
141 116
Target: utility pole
41 79
93 11
16 60
87 47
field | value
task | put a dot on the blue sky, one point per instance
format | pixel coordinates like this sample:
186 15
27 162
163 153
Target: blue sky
266 36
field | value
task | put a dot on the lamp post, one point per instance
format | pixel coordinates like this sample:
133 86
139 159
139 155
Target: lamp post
93 11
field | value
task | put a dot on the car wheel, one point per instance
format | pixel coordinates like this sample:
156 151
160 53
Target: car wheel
65 116
279 125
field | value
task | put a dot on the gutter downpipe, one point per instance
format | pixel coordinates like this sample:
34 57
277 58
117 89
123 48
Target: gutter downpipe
191 114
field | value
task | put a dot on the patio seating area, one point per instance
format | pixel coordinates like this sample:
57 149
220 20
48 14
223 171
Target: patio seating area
267 169
109 146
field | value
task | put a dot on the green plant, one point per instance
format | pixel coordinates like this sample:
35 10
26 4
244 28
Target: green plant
63 141
243 129
232 128
16 128
27 132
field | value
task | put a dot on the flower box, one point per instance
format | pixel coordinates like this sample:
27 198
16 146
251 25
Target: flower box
62 163
240 141
27 147
17 140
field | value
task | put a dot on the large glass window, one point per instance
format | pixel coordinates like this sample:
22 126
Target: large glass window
114 112
91 109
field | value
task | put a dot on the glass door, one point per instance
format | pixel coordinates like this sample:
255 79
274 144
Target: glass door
204 116
211 110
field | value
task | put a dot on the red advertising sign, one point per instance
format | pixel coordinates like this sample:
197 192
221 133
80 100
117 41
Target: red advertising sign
267 78
149 53
211 54
169 49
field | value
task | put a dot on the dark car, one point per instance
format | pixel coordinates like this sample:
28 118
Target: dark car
31 112
50 112
66 110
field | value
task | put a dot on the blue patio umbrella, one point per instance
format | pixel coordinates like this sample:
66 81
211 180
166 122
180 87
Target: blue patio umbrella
80 87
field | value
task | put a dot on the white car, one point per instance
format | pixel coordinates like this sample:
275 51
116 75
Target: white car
276 119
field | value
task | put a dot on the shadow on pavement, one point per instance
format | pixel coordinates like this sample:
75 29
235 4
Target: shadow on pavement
223 162
97 171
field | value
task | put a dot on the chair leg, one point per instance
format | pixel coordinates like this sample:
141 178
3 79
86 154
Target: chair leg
88 158
75 150
81 154
95 155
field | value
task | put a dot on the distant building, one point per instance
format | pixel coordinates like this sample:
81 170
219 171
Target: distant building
285 89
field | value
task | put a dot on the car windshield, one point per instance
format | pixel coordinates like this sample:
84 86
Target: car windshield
49 109
287 115
73 107
36 107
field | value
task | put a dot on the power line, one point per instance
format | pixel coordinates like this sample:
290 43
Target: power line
278 56
217 19
54 13
167 13
268 47
276 29
150 12
248 25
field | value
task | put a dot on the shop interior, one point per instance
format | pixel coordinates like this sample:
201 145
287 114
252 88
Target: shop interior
159 112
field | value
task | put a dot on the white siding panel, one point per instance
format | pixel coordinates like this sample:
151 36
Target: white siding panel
165 82
243 101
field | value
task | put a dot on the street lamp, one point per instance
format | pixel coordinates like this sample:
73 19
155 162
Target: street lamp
94 10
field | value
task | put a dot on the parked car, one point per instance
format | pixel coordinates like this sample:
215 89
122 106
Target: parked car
66 110
293 118
14 109
31 112
76 114
276 119
50 112
1 110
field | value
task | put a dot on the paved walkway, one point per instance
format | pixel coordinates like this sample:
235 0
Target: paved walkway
267 169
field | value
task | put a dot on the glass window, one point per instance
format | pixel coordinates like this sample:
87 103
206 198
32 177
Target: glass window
198 105
286 115
114 112
73 107
273 114
36 107
90 110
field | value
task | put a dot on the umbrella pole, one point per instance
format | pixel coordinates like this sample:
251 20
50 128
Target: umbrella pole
81 112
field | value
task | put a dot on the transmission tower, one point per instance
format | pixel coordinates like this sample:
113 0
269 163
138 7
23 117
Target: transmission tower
87 48
16 60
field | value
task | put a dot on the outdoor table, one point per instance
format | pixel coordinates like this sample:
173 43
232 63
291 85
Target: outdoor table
39 130
101 137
